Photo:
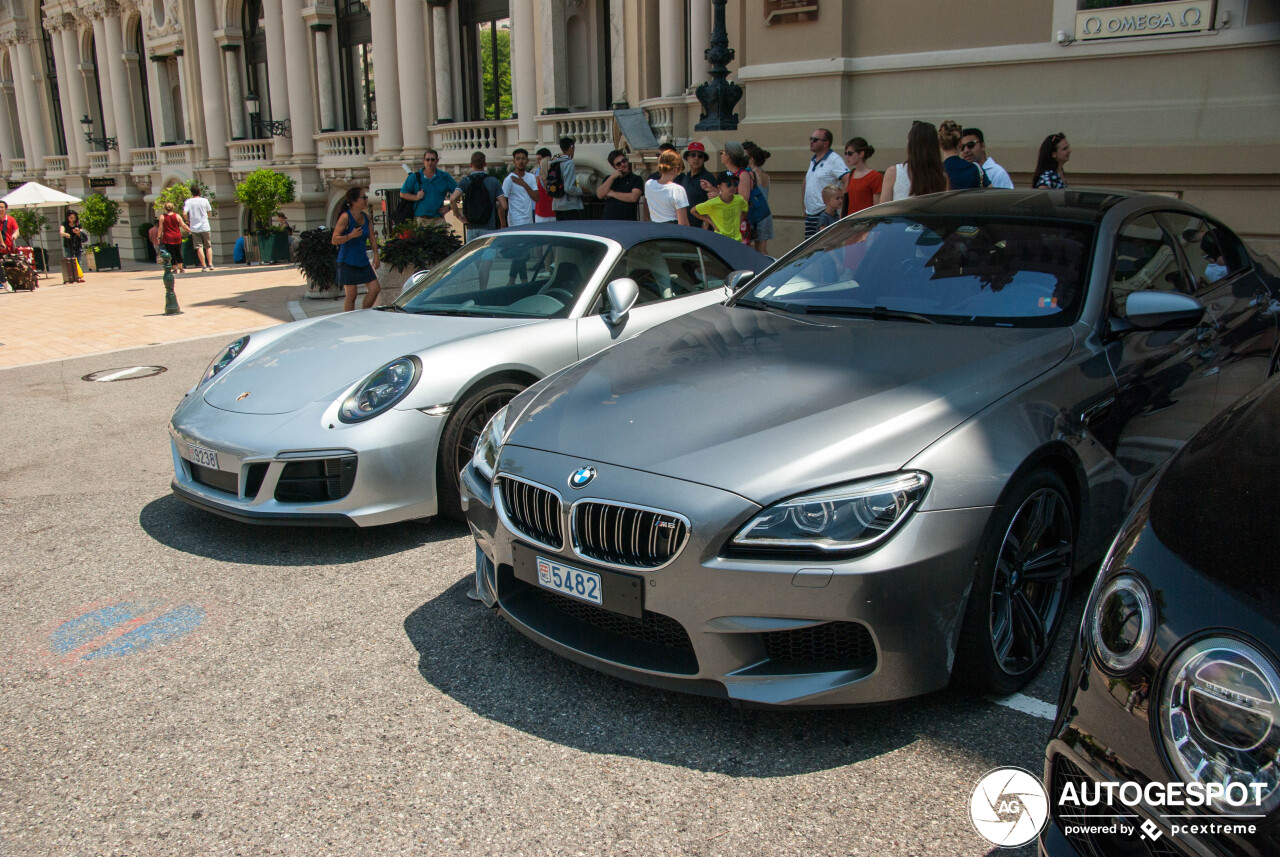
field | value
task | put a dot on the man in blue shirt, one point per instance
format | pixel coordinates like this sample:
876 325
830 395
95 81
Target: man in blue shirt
429 189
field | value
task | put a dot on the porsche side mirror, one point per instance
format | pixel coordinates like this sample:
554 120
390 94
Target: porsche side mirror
735 280
620 296
415 278
1157 310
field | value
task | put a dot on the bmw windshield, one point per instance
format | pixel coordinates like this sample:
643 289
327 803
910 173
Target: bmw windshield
978 270
523 274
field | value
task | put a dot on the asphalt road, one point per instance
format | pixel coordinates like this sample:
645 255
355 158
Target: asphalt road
314 692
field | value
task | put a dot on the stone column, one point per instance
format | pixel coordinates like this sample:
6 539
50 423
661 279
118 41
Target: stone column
524 69
277 78
72 84
412 61
104 71
618 52
183 97
671 47
162 127
444 71
302 115
66 90
212 96
383 19
235 97
699 39
555 84
122 102
8 150
33 139
324 78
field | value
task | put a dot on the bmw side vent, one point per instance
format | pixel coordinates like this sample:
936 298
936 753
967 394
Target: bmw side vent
532 510
627 536
318 480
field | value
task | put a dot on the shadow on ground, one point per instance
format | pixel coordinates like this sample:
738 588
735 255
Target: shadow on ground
475 657
181 527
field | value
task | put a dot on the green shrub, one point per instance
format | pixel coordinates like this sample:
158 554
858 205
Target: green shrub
30 222
263 192
180 193
413 248
98 214
317 258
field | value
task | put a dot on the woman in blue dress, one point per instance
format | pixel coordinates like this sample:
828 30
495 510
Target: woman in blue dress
353 236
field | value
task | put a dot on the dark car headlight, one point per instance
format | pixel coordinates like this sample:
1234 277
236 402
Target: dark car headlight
489 444
381 390
1218 709
849 517
1121 623
223 360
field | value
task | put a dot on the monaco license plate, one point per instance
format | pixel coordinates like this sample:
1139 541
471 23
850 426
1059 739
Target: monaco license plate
574 582
204 457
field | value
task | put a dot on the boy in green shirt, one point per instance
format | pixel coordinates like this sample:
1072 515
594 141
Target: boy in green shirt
726 212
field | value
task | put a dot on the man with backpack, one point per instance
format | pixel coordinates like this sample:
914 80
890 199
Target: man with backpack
561 181
428 190
480 212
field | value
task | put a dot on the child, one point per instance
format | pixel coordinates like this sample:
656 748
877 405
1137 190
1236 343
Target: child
726 212
832 197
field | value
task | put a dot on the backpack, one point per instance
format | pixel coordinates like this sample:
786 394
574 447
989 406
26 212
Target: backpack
554 180
757 204
478 206
403 212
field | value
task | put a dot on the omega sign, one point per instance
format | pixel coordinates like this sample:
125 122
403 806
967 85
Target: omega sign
1152 19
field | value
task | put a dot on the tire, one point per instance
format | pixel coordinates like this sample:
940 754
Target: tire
458 441
1019 593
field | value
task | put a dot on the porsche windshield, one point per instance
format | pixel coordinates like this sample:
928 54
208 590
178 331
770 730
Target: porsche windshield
957 270
530 275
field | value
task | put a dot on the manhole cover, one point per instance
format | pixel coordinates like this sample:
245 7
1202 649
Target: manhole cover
128 374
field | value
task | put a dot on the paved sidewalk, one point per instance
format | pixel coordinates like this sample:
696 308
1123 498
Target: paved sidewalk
125 309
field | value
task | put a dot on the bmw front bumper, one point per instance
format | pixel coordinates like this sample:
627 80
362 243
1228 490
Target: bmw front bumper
765 631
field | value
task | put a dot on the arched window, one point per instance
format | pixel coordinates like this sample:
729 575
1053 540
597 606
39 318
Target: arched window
355 64
255 65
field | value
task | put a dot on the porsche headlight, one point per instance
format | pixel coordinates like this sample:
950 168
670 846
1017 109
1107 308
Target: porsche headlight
1121 623
381 390
485 457
1218 710
849 517
231 352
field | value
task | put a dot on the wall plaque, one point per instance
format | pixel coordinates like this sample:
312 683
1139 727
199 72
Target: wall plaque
102 181
1147 19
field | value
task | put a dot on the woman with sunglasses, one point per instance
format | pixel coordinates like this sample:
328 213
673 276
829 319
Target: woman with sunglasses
352 236
1055 151
961 174
865 184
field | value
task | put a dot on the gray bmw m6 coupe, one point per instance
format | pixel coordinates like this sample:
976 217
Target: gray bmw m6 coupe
878 466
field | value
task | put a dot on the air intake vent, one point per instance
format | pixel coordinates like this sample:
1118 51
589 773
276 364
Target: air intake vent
533 510
626 535
316 481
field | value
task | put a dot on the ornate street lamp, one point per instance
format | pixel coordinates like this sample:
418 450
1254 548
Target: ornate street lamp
104 142
718 96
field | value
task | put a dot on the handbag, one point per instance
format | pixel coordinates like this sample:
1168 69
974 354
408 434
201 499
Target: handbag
757 204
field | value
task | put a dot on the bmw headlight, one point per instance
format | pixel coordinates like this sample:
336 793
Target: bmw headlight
223 360
485 457
1121 623
381 390
850 517
1218 709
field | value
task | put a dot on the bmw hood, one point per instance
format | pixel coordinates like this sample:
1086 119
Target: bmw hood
320 359
757 402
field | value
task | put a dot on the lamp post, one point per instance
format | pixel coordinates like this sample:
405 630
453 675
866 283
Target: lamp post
718 95
104 142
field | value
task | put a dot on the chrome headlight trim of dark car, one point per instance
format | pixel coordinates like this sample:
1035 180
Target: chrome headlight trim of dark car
1219 720
224 359
381 390
851 517
488 446
1121 623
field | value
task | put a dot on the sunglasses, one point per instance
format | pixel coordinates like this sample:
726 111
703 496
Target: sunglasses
849 153
430 160
972 144
818 140
620 164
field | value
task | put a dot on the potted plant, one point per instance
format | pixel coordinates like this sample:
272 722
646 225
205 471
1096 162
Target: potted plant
178 194
413 248
98 214
31 222
263 192
318 259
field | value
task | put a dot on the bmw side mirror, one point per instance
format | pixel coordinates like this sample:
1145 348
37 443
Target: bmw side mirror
620 296
736 279
1157 310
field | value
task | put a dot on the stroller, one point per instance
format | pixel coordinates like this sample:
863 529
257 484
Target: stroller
19 273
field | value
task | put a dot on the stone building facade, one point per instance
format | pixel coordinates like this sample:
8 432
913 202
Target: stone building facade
338 93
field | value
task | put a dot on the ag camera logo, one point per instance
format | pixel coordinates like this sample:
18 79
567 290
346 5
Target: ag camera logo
1009 807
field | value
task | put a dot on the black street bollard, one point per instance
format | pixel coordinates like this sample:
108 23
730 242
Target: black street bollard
170 298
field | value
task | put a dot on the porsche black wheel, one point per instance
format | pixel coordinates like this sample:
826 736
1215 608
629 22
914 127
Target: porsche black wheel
458 441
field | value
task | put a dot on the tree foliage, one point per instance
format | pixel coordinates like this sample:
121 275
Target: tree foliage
98 214
179 193
263 192
30 221
502 98
414 248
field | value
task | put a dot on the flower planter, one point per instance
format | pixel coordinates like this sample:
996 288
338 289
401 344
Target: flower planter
104 258
273 247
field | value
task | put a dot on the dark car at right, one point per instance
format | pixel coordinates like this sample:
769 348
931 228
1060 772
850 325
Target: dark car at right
1174 682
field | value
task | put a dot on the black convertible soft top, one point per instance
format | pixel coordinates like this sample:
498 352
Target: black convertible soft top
628 233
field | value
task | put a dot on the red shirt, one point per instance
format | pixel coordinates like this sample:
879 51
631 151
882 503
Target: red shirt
863 192
171 229
542 208
8 231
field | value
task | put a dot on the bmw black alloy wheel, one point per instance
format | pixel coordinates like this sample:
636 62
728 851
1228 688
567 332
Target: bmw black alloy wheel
1029 583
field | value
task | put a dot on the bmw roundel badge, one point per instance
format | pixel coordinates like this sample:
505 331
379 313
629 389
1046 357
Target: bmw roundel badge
582 477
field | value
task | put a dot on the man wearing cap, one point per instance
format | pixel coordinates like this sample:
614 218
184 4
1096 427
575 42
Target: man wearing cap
695 159
825 168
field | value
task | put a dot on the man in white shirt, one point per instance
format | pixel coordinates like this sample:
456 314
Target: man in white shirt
197 211
825 168
973 148
518 191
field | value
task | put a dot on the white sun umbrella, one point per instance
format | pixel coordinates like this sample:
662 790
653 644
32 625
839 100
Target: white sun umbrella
36 195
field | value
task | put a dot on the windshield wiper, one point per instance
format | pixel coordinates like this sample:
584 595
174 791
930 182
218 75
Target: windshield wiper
432 311
761 303
390 308
879 312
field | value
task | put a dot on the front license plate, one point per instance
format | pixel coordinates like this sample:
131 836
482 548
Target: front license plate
574 582
204 457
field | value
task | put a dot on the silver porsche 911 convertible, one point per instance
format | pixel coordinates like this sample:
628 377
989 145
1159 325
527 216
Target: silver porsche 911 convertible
880 463
366 418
